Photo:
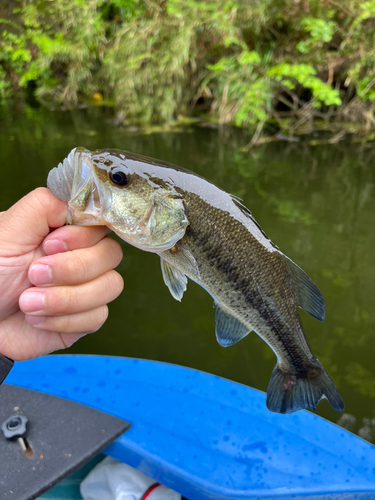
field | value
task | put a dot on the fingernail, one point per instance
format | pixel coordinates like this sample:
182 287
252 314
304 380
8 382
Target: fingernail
34 320
40 274
32 302
55 246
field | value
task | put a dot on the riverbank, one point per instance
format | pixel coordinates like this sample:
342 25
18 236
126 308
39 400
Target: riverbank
295 66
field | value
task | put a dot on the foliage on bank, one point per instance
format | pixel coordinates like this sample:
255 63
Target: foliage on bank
294 62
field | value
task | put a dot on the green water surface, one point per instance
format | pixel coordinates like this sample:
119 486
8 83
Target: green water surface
316 203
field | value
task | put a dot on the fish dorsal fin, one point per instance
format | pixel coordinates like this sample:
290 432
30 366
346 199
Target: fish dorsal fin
229 329
175 280
310 298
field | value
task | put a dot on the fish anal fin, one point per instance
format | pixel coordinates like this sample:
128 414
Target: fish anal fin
175 279
288 392
229 329
310 298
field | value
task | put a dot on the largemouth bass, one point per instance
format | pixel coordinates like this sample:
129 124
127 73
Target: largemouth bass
205 234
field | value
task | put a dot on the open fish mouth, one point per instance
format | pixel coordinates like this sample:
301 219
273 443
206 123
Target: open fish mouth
73 181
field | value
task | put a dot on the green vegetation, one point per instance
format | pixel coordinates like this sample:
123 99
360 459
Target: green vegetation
301 64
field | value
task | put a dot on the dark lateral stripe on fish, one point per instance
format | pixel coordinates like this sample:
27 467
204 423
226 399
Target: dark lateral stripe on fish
261 304
210 246
232 274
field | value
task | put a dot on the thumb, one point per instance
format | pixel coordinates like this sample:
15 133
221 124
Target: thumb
24 226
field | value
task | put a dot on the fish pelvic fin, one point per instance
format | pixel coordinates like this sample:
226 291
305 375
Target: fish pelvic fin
288 392
229 330
309 297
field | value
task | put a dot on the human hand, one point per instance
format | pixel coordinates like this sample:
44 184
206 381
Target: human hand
54 286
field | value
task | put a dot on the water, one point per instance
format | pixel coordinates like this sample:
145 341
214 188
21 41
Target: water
316 203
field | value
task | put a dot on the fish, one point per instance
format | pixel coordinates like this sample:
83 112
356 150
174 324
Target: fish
203 233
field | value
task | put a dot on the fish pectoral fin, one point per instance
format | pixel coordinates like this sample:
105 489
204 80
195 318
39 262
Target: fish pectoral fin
185 259
310 298
229 329
175 280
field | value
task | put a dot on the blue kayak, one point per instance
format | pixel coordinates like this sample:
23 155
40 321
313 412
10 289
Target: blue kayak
206 437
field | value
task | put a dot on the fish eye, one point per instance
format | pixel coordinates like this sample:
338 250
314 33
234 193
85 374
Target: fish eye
118 177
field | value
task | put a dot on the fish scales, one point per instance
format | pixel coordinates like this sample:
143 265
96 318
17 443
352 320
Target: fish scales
230 268
205 234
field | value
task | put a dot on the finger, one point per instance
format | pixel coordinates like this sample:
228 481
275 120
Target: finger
77 267
73 237
67 300
80 323
29 221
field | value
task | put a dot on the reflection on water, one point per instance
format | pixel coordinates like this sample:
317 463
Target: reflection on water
316 203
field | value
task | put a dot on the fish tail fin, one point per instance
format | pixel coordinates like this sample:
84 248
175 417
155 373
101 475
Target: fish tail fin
289 392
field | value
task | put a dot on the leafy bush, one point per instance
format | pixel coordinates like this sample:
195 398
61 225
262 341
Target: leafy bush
58 45
244 62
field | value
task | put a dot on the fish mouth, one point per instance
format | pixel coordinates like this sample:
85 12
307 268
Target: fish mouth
73 181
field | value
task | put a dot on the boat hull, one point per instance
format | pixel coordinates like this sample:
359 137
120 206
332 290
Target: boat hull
207 437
